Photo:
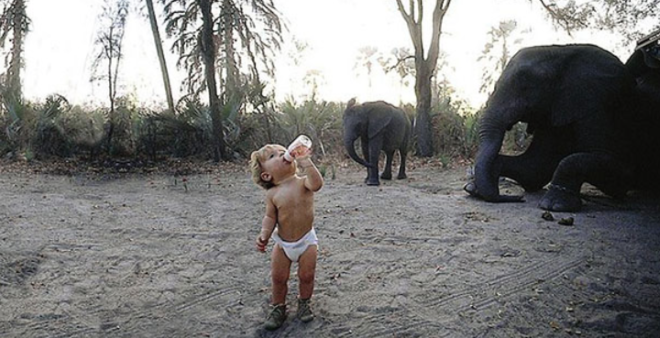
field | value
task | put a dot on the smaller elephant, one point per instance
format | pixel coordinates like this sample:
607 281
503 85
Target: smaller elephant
380 127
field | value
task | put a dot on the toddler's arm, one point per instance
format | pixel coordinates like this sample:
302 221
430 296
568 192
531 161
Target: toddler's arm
267 225
313 180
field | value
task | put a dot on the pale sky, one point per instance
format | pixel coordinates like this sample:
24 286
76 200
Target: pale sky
60 48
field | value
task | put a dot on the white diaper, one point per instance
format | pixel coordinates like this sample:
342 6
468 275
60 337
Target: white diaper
293 250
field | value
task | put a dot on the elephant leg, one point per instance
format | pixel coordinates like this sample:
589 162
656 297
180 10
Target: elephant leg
534 168
387 171
375 146
602 170
364 143
402 165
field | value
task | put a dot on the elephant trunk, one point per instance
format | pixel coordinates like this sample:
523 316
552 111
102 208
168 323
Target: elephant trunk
487 167
349 143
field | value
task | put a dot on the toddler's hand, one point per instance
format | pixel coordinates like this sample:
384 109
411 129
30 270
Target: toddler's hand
261 244
303 153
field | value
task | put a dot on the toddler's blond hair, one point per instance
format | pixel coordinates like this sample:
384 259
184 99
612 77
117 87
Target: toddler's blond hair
256 158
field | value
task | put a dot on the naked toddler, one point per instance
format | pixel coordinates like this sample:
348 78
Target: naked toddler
289 221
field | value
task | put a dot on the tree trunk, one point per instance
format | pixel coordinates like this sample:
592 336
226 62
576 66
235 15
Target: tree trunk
161 56
231 94
111 95
19 26
423 126
424 66
208 55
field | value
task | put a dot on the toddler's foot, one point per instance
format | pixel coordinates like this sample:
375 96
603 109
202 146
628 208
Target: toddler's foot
276 317
304 311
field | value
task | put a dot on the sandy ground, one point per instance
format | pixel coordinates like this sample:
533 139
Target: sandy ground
140 256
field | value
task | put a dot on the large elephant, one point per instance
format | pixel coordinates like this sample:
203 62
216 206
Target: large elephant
380 127
644 65
593 119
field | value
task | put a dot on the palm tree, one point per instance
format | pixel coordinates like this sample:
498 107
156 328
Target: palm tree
208 55
161 55
14 22
222 45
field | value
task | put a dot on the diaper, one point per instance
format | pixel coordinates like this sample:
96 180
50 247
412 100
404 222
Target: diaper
293 250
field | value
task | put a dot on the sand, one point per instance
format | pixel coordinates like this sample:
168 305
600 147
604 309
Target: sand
126 255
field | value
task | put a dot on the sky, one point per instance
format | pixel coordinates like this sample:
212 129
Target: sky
60 49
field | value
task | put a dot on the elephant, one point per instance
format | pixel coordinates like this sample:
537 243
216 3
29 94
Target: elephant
593 119
380 127
644 65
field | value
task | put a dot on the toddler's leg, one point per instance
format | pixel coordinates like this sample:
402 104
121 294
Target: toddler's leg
306 272
280 270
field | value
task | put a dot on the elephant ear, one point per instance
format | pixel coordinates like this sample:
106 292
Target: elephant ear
377 122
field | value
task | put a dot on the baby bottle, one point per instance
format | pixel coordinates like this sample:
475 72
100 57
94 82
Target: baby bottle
297 147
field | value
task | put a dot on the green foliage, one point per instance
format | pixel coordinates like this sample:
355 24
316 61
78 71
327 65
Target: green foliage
516 140
321 121
14 27
504 41
631 19
16 121
86 129
52 135
55 128
251 33
455 126
125 123
38 129
186 133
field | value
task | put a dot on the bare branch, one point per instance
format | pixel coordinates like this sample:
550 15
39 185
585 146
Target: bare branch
399 61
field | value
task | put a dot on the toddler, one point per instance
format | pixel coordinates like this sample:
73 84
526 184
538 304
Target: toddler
290 207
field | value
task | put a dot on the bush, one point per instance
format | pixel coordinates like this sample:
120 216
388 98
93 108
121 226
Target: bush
185 133
52 134
321 121
516 140
455 128
55 128
86 130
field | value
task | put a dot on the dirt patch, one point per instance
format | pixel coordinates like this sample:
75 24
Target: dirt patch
123 255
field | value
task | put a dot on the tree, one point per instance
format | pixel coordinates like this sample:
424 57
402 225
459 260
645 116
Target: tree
208 53
368 55
312 79
243 44
425 66
497 52
495 56
240 50
404 65
630 18
110 38
14 22
161 55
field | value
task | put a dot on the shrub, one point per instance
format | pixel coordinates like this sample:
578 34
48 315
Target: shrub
321 121
86 130
52 134
455 128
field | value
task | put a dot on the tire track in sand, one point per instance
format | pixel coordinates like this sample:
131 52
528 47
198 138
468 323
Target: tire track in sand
483 295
